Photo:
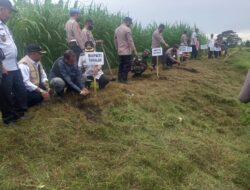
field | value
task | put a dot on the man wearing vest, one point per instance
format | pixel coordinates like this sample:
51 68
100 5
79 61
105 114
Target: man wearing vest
34 76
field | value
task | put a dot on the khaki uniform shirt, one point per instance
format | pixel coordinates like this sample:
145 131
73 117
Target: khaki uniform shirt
124 42
175 57
73 31
184 40
88 36
157 39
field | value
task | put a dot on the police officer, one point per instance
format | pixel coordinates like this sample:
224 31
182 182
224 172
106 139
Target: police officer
158 41
87 34
73 31
12 91
125 46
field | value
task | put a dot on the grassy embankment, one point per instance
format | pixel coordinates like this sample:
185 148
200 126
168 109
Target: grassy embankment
131 137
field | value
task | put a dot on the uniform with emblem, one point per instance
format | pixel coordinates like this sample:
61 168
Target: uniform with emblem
125 46
158 41
34 76
172 56
73 31
87 34
140 63
12 91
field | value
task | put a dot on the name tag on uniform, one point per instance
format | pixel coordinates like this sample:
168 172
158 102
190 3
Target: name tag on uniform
3 37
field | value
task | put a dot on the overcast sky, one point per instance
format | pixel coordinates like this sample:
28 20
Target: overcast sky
211 16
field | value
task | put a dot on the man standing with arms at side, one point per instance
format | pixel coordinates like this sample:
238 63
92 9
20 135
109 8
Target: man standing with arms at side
184 39
87 34
210 45
193 44
13 99
125 46
158 41
73 31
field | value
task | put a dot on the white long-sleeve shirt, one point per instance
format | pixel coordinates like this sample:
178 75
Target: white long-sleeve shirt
9 48
211 44
26 76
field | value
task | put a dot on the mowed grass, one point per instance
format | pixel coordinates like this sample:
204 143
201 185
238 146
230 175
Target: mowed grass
186 132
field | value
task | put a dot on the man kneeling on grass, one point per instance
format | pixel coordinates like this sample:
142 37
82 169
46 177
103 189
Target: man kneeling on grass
34 76
172 57
65 75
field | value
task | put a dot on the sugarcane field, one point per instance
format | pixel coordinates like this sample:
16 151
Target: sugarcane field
124 95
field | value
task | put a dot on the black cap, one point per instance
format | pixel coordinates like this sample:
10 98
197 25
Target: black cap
31 48
128 19
7 4
89 20
162 26
176 46
89 46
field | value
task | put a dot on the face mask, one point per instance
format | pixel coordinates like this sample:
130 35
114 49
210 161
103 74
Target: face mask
78 19
90 27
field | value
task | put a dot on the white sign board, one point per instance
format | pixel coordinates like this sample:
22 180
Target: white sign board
212 49
189 50
217 49
94 58
185 49
204 46
157 52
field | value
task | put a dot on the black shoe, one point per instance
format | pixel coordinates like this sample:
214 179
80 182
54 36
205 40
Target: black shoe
10 125
25 117
10 120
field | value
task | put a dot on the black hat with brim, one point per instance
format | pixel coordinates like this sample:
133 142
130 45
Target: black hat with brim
34 48
7 4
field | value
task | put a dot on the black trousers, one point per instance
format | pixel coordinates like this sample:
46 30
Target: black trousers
210 54
225 53
74 47
216 54
154 61
13 97
194 52
124 67
103 81
34 98
169 62
160 59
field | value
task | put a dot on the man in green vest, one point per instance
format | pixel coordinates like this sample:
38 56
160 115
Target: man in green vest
34 76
